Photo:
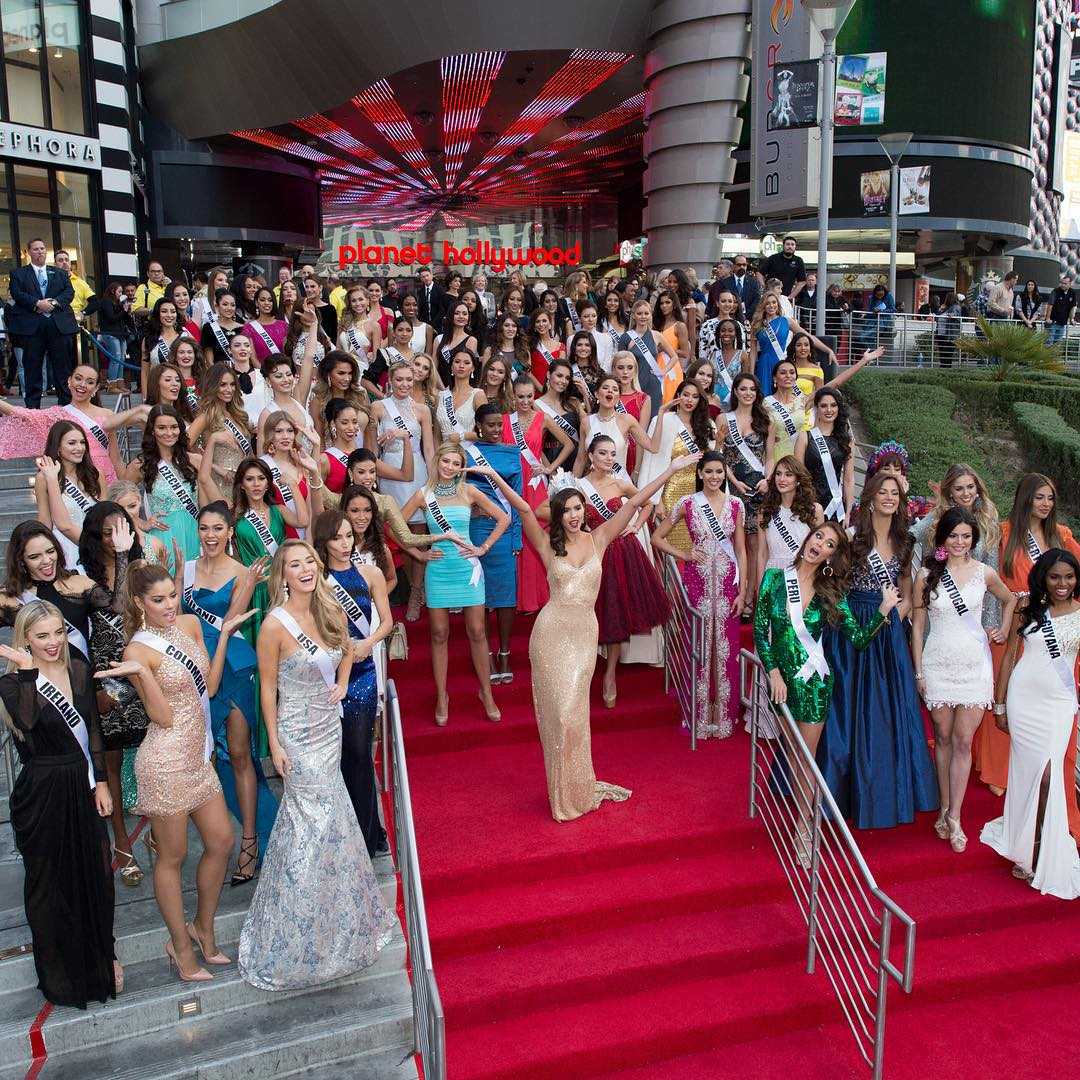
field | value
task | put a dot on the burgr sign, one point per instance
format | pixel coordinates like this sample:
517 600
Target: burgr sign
784 161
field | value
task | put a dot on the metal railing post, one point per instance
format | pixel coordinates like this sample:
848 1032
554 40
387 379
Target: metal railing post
815 882
884 942
755 697
696 653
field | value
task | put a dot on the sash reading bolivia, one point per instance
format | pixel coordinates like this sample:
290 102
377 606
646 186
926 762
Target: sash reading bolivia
482 253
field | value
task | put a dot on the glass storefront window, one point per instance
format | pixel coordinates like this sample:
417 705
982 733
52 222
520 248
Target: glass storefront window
77 239
62 41
31 188
73 193
8 255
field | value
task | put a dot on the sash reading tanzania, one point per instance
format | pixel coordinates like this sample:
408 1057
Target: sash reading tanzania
477 458
71 716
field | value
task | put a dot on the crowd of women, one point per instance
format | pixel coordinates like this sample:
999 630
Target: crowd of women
223 598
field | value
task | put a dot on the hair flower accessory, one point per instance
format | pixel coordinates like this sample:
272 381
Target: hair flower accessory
940 554
883 452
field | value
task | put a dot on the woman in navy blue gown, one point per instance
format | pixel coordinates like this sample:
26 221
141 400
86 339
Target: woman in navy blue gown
357 589
873 751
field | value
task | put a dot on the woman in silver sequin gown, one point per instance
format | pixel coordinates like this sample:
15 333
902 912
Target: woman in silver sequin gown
317 913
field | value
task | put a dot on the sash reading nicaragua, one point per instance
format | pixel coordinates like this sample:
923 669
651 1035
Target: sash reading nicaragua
440 519
968 617
451 413
598 504
178 488
219 334
174 652
87 424
1033 549
78 496
77 726
815 654
740 444
74 635
1058 658
701 501
781 410
352 609
477 458
267 340
777 521
835 509
194 606
242 440
322 658
262 531
641 346
559 419
280 483
538 477
774 342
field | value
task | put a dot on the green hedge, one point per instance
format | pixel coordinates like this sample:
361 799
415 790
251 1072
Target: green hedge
1052 446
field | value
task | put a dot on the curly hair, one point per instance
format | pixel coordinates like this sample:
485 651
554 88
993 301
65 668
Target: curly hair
759 415
802 505
556 531
374 539
92 539
198 363
935 568
1035 611
18 578
214 409
842 424
899 534
151 455
85 471
324 393
830 588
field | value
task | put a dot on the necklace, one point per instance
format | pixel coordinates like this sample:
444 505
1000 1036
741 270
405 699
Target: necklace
445 491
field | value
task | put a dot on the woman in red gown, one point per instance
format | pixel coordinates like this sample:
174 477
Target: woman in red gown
632 398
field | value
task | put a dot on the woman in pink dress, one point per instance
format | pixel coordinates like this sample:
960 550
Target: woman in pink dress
526 428
267 331
23 431
715 581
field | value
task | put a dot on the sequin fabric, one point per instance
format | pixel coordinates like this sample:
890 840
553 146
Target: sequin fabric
170 771
317 913
562 652
680 485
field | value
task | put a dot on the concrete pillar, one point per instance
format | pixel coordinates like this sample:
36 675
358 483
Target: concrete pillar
695 83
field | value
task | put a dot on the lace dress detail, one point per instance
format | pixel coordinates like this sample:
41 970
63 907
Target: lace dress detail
781 557
958 669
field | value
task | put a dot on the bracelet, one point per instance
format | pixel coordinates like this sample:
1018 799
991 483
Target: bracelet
998 708
919 676
317 487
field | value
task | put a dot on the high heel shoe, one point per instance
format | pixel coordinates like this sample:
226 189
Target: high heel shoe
218 958
609 699
504 676
200 975
492 714
248 858
957 839
941 826
442 717
130 871
416 601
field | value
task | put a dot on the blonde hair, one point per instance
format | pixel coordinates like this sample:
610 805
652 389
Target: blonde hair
28 617
984 511
325 610
430 386
272 422
348 317
758 319
446 448
626 352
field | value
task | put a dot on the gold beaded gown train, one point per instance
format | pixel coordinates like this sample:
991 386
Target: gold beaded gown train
562 652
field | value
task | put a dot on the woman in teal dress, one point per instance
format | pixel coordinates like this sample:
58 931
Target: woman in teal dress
209 586
169 477
456 580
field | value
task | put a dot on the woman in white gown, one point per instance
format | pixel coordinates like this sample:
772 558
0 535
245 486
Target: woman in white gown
1036 704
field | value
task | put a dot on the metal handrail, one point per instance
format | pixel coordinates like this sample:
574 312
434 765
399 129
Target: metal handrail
428 1018
684 647
850 920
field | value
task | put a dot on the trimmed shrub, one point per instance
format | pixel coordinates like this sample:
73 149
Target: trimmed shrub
1051 445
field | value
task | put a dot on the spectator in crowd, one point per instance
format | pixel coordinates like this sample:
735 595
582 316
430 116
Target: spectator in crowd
1028 304
1000 297
1060 308
431 298
151 290
742 283
115 327
788 267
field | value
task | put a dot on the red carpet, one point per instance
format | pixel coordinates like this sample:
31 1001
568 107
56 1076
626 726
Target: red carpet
657 938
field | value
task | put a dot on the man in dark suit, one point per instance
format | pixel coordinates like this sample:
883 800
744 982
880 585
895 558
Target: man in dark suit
742 283
42 318
430 299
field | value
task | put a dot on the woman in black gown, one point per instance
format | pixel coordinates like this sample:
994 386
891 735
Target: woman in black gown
58 806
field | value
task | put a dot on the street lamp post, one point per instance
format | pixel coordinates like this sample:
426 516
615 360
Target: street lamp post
827 16
894 146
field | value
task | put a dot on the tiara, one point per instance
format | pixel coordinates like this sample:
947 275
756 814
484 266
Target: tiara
888 449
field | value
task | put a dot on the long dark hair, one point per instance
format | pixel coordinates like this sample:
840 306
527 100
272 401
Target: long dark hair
85 471
831 587
240 500
92 541
323 531
556 532
153 323
676 309
521 339
759 416
18 577
374 540
448 321
572 389
153 390
955 515
1020 517
571 353
899 534
1038 604
842 424
701 425
151 456
249 308
802 505
708 458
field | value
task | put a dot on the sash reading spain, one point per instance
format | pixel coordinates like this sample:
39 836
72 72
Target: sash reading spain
482 253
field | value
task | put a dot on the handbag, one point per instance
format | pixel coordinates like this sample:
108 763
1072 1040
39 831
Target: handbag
397 645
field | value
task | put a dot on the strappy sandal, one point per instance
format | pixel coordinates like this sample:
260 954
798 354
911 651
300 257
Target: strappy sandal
504 676
131 873
248 857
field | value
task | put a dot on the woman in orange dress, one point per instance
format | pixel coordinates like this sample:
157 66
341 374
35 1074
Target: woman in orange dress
1032 528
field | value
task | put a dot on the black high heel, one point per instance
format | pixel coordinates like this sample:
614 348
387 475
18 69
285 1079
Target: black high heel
248 857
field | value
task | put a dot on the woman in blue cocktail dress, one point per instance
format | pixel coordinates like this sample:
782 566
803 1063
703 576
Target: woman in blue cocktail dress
361 592
455 581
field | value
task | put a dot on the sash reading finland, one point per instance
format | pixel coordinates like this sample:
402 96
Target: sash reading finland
74 635
1060 662
835 510
353 611
71 716
178 488
701 501
318 654
537 477
174 652
262 531
267 340
559 419
87 424
740 444
477 458
440 519
242 441
968 617
815 654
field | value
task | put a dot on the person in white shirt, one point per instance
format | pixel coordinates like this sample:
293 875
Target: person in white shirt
589 315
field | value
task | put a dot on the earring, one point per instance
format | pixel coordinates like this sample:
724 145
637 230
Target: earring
142 618
827 570
285 591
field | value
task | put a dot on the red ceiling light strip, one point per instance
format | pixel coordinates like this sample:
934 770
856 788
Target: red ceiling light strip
381 108
273 141
452 220
467 81
337 136
582 73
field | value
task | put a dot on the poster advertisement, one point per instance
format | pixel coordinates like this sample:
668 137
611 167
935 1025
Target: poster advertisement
795 101
874 187
1069 231
915 189
860 89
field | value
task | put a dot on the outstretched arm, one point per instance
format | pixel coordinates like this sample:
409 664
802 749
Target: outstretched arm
616 524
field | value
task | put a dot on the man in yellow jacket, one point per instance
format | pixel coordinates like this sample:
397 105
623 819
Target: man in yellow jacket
83 294
151 290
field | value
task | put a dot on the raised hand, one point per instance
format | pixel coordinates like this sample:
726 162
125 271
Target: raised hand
123 669
231 622
18 657
49 468
685 461
890 597
122 536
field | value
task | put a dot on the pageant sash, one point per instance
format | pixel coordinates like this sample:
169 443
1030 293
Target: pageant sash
782 530
559 419
742 446
783 413
545 352
476 456
194 606
89 425
393 411
537 477
280 483
161 351
445 353
589 491
71 716
1062 666
215 329
262 531
354 341
178 488
193 398
594 424
701 501
396 357
242 441
774 342
621 408
815 654
267 340
78 496
74 635
972 623
644 349
572 315
1032 545
879 569
835 510
447 397
362 558
338 455
688 440
353 611
323 661
174 652
436 512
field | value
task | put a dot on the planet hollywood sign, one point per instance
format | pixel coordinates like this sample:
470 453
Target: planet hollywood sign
481 253
50 147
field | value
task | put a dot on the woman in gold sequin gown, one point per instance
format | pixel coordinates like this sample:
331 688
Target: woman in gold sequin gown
562 648
175 776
